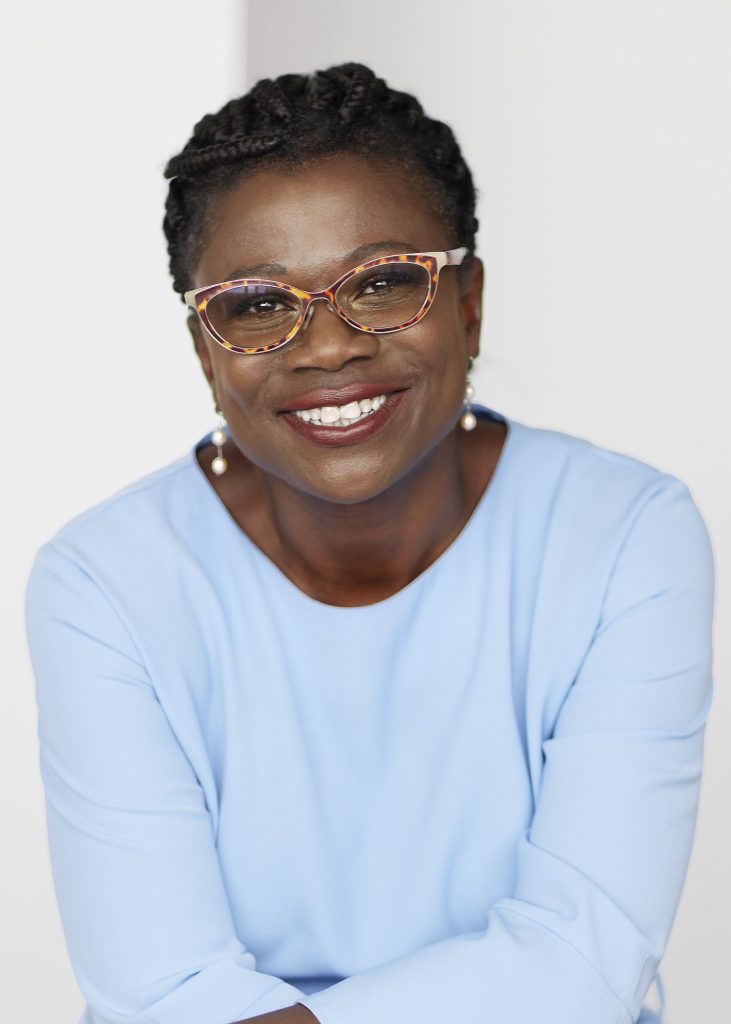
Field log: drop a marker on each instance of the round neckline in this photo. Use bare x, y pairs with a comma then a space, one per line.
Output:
485, 499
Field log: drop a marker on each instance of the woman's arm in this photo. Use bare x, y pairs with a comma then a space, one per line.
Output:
600, 871
144, 909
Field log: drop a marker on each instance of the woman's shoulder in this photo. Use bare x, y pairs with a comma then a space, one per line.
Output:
142, 517
584, 498
576, 462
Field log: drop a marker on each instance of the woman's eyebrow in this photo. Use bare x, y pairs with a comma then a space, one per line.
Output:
386, 247
374, 248
256, 270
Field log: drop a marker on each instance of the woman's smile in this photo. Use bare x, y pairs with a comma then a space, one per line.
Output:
350, 423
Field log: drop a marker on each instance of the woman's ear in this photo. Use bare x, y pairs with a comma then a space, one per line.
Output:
200, 345
471, 301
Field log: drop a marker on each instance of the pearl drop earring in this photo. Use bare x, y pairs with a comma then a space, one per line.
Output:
468, 420
219, 464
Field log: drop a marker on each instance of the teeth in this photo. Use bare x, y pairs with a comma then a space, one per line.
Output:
342, 415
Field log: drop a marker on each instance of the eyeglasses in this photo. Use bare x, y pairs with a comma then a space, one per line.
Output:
390, 293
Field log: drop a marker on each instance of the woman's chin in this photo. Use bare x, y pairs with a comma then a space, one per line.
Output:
357, 490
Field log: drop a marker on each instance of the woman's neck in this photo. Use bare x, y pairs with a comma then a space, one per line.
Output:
358, 554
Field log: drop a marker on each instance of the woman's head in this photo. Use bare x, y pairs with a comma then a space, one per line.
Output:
299, 182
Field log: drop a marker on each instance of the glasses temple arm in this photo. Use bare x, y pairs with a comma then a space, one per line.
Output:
456, 256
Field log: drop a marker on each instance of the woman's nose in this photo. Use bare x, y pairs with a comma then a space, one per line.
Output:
326, 341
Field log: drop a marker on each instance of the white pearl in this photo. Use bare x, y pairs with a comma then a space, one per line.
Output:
469, 393
219, 465
468, 421
218, 437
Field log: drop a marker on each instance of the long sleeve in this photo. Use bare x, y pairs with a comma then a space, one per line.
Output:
601, 868
139, 887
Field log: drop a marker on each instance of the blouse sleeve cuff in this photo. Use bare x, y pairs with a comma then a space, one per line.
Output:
220, 994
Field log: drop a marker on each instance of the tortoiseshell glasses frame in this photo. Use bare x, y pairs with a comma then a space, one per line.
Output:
198, 299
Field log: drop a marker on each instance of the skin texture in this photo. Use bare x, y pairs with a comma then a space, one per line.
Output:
291, 1015
351, 525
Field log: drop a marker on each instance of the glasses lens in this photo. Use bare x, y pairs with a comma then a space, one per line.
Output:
385, 296
253, 316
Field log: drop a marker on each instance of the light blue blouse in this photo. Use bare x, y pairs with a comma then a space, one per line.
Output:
471, 803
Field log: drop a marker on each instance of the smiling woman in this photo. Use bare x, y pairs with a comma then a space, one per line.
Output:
372, 706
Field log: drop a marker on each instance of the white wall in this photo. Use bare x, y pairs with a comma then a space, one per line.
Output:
99, 379
599, 136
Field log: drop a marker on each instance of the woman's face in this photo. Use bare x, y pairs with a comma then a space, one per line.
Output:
307, 227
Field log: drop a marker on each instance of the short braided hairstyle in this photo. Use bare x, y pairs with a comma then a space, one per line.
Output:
294, 118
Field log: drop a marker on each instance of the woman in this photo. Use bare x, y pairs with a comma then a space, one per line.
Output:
372, 706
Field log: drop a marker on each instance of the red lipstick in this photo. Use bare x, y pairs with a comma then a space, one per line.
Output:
354, 433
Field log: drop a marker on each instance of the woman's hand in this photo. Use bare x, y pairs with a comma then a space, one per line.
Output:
297, 1014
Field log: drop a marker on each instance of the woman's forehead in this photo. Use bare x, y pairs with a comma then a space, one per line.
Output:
313, 217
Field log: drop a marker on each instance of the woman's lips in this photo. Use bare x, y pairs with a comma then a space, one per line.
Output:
354, 433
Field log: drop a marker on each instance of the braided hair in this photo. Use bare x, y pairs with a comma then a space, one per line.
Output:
293, 118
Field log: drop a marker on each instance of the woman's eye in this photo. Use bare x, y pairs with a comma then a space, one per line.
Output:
385, 285
379, 284
264, 305
385, 281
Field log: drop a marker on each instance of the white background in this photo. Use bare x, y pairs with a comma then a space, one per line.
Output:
100, 382
599, 138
